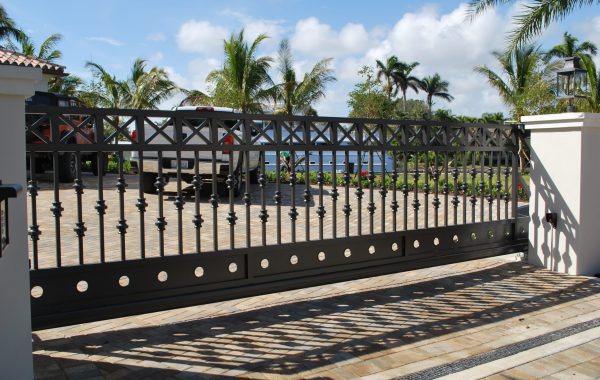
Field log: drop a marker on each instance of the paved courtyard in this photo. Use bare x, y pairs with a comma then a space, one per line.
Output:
494, 318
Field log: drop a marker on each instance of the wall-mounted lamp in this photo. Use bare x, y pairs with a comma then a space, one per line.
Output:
6, 191
552, 218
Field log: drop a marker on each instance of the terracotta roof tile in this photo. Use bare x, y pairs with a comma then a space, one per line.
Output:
9, 57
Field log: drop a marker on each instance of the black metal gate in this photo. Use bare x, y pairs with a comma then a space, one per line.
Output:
260, 204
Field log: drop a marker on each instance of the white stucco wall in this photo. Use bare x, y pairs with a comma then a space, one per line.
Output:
16, 84
565, 179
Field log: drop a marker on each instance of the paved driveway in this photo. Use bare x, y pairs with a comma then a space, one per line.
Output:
493, 317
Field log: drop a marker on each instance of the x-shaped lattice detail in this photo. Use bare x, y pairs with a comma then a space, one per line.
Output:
33, 128
195, 131
159, 130
76, 128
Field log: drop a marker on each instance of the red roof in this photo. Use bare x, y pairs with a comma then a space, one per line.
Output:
9, 57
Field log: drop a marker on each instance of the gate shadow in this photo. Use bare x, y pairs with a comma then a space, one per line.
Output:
307, 335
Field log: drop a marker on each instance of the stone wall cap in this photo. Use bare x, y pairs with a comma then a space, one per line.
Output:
567, 120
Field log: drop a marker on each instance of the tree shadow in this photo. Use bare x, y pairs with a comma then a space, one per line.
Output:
307, 335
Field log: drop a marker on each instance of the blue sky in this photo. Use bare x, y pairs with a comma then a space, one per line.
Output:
185, 37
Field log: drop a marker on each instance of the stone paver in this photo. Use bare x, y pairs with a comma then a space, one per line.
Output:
383, 327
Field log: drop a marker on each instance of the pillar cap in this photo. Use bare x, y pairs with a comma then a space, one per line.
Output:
568, 120
19, 81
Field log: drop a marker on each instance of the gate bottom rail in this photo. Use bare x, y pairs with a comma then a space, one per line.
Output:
77, 294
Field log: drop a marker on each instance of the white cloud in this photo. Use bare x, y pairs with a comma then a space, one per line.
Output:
201, 37
156, 57
179, 79
199, 69
272, 29
316, 38
444, 43
254, 27
156, 37
107, 40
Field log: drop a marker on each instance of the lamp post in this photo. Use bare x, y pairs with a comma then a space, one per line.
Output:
571, 82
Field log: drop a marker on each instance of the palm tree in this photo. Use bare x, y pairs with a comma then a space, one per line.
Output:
521, 68
570, 48
47, 50
69, 85
404, 80
593, 98
147, 89
298, 97
434, 86
141, 90
110, 93
242, 82
194, 98
387, 70
8, 28
536, 18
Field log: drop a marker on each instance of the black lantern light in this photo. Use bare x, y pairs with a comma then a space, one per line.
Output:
6, 191
571, 82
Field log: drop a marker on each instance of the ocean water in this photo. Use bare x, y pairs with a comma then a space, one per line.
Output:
313, 160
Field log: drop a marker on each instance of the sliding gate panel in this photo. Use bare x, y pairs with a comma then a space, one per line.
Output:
135, 211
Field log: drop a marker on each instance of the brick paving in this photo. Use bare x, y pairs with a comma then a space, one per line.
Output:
383, 327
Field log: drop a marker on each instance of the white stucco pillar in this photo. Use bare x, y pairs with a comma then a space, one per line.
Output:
565, 179
16, 84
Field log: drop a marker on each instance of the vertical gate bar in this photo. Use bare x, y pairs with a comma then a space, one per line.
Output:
320, 208
264, 216
506, 192
334, 190
141, 201
498, 185
491, 186
405, 187
214, 197
394, 205
416, 202
426, 184
473, 186
307, 195
515, 181
197, 220
100, 206
482, 185
247, 133
293, 214
455, 199
56, 208
79, 225
179, 201
347, 207
122, 223
34, 229
383, 188
231, 183
446, 187
161, 223
359, 191
436, 199
277, 195
371, 204
465, 187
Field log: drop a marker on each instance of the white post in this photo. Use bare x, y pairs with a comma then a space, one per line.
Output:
16, 84
565, 179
